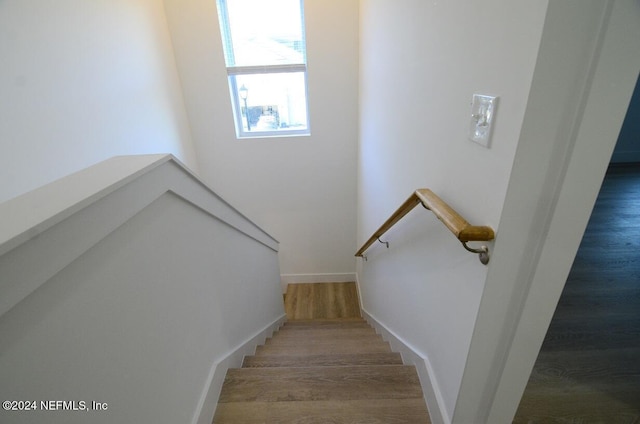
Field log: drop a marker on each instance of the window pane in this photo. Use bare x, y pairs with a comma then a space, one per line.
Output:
263, 32
276, 102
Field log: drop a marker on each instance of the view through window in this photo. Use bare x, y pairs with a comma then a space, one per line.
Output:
265, 54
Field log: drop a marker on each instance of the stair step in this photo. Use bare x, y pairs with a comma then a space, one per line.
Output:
322, 337
355, 328
325, 324
326, 347
324, 332
322, 360
320, 383
326, 365
379, 411
321, 321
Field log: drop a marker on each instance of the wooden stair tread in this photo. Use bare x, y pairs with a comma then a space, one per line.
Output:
327, 326
379, 411
392, 358
280, 339
321, 321
320, 383
325, 323
343, 333
320, 348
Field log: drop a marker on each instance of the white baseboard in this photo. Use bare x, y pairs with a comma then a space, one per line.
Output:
286, 279
209, 399
410, 356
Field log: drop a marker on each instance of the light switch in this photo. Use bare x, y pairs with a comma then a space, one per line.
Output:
483, 110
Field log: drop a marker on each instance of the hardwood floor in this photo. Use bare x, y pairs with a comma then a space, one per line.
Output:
588, 370
322, 300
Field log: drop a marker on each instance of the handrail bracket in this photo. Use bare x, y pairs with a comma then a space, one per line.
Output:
483, 252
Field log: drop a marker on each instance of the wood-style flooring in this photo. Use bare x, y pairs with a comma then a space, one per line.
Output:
322, 370
322, 300
588, 370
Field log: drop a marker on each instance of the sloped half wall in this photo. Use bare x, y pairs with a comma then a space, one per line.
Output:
134, 299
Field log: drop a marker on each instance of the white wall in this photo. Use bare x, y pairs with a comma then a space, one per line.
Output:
83, 81
147, 304
420, 64
301, 189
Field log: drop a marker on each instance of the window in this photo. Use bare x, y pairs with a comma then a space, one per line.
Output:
265, 53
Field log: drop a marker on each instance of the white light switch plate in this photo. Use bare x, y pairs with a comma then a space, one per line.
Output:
483, 110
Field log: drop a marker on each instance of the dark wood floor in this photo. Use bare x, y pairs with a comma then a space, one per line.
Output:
588, 370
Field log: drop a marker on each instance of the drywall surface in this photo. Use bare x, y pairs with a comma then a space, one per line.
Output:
301, 189
136, 298
420, 63
81, 82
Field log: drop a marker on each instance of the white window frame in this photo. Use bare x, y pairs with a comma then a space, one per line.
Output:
233, 71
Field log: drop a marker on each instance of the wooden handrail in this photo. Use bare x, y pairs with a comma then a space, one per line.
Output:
463, 231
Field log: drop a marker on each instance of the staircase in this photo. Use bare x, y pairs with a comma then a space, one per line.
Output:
319, 371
